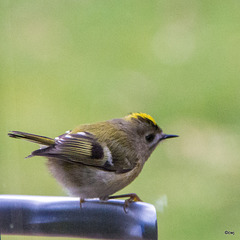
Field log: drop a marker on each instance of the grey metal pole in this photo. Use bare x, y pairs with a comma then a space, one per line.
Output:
62, 216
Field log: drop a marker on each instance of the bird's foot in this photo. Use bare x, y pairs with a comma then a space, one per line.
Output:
132, 197
82, 200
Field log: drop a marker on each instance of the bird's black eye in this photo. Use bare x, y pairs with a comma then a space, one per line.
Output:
149, 138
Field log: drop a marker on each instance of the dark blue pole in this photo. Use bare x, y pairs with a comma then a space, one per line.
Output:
62, 216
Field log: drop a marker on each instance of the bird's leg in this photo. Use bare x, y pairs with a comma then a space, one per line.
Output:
82, 200
132, 197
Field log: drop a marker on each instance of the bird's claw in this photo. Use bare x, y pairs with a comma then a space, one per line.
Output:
132, 197
82, 200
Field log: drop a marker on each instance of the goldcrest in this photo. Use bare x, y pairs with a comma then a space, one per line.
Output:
97, 160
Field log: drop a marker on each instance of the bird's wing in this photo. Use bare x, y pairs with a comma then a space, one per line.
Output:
81, 148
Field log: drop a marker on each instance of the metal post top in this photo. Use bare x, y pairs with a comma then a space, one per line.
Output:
63, 216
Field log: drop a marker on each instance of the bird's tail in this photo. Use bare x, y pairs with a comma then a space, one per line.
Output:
32, 138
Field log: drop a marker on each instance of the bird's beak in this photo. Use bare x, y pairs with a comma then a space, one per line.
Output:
165, 136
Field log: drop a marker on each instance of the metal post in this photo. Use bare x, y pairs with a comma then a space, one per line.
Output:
63, 216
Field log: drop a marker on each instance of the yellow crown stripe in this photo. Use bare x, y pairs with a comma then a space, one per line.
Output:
142, 115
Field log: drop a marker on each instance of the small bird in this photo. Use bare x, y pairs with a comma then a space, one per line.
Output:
97, 160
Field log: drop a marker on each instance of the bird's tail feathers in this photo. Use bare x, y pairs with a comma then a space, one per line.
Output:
32, 138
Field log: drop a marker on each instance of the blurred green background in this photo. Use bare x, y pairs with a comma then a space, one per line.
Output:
65, 63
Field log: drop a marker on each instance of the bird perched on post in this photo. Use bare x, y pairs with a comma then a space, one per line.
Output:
97, 160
